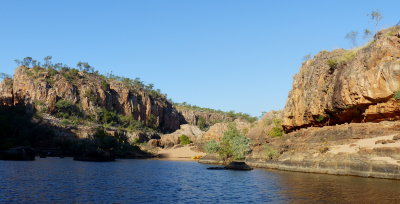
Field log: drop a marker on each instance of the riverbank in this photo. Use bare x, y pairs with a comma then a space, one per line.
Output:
179, 153
357, 149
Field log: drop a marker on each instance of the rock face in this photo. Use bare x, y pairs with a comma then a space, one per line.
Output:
359, 149
347, 85
216, 132
6, 92
195, 117
39, 89
193, 132
258, 133
18, 153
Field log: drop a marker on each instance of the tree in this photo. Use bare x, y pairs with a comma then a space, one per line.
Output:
85, 67
184, 140
375, 16
233, 146
27, 61
307, 57
47, 61
352, 36
4, 76
18, 62
367, 34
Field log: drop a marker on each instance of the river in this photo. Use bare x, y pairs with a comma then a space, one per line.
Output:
57, 180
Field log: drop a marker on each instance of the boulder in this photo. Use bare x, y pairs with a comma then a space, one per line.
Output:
18, 153
238, 165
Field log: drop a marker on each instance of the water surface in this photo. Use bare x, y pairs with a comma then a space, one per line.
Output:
58, 180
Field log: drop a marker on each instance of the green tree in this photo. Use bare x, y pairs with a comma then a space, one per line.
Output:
27, 61
47, 62
85, 67
375, 16
234, 145
367, 34
184, 140
276, 130
211, 147
4, 76
307, 57
66, 109
202, 123
352, 36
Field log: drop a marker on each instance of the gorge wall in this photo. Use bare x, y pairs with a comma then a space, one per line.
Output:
345, 86
208, 118
40, 89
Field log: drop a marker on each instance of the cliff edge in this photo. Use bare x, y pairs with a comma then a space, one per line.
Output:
347, 86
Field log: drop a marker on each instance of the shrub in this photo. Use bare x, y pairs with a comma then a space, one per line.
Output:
71, 75
136, 141
152, 121
270, 152
323, 149
332, 63
234, 145
320, 118
396, 95
184, 140
65, 122
105, 140
104, 85
202, 124
108, 117
92, 96
66, 109
211, 147
130, 123
276, 130
344, 58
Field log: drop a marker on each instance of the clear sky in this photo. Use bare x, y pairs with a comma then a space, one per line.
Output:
222, 54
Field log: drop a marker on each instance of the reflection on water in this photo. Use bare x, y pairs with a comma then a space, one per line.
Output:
311, 188
144, 181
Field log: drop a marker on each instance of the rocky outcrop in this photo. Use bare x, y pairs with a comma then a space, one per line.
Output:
40, 89
347, 85
6, 92
203, 117
18, 153
191, 131
358, 149
259, 131
216, 132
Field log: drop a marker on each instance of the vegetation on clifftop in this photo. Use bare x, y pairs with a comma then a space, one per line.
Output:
232, 114
72, 74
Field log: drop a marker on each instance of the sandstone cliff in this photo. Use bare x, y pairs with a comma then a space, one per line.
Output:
202, 117
40, 89
347, 85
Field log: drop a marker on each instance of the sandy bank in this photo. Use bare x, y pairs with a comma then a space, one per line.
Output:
179, 153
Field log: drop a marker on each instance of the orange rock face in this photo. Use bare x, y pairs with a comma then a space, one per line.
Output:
39, 91
347, 85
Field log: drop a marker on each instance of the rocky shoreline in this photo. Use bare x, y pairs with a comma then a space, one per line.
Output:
351, 166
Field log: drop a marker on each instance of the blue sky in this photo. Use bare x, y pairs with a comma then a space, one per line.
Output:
222, 54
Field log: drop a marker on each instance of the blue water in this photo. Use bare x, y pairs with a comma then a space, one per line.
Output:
55, 180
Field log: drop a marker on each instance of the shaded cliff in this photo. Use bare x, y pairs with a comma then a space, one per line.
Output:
342, 86
41, 89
